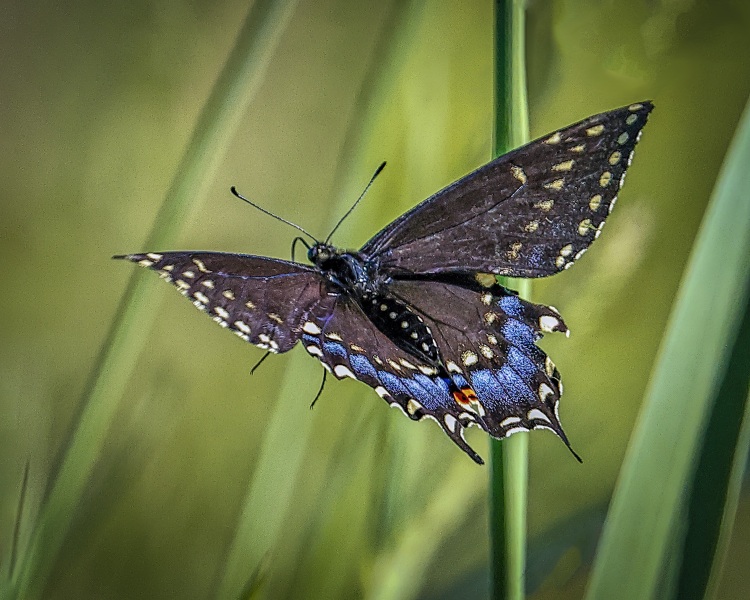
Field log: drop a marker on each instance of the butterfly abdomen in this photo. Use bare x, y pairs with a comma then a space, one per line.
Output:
403, 326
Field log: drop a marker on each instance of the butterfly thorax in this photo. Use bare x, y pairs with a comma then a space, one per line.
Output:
348, 271
358, 278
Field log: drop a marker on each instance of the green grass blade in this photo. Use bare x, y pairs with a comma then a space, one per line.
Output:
270, 489
648, 510
234, 89
718, 478
509, 458
18, 524
402, 572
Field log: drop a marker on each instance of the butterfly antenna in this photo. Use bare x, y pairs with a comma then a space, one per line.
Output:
270, 214
362, 195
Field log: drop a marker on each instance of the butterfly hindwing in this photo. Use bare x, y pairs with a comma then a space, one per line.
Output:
262, 300
508, 380
529, 213
348, 344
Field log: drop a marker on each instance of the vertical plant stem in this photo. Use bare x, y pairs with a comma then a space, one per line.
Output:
235, 87
509, 458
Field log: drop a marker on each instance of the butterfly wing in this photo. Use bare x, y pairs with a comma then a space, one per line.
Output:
529, 213
508, 380
262, 300
348, 344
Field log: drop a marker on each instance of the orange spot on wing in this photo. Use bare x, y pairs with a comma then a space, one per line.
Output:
465, 396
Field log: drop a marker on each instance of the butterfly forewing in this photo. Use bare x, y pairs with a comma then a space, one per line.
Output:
262, 300
529, 213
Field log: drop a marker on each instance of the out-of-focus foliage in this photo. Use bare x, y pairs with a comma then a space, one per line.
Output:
98, 102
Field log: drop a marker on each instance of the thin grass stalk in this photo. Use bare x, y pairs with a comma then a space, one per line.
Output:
233, 91
646, 525
509, 458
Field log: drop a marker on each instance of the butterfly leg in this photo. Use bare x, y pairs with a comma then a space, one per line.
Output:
260, 362
320, 391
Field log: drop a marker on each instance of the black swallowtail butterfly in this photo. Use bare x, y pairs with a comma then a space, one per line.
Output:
418, 313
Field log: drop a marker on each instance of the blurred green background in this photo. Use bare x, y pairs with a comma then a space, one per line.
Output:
98, 104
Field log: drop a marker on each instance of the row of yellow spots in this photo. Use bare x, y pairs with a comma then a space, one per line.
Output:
202, 301
596, 130
514, 251
150, 259
486, 280
584, 227
564, 166
562, 258
341, 370
201, 266
545, 205
556, 185
518, 173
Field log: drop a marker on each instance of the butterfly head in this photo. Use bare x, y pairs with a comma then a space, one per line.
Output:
321, 253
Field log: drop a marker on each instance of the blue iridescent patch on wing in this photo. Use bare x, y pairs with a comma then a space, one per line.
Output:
432, 393
459, 380
392, 383
362, 366
308, 339
335, 349
500, 387
511, 306
536, 256
429, 391
521, 363
518, 333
